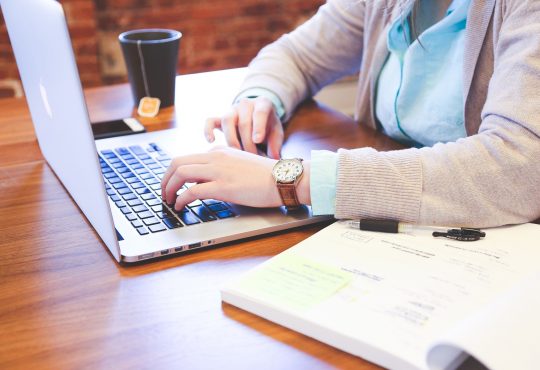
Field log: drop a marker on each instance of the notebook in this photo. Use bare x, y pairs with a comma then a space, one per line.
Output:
406, 301
116, 182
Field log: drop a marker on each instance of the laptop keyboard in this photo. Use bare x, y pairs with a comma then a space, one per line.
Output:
133, 181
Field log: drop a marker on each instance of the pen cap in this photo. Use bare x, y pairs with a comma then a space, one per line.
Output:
385, 226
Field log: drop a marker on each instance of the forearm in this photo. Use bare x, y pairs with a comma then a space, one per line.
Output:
326, 47
485, 180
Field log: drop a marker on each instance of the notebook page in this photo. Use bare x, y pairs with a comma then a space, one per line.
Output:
401, 292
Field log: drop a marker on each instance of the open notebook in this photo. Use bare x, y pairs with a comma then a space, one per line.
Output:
406, 301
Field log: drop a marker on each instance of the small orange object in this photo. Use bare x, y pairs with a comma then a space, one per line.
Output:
148, 107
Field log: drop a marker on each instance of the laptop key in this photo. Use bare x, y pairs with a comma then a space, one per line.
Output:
131, 180
124, 191
156, 186
121, 150
115, 198
153, 202
134, 202
122, 169
129, 196
143, 230
146, 214
137, 185
140, 208
131, 216
148, 196
188, 218
172, 223
217, 207
119, 185
141, 171
137, 223
151, 221
141, 191
225, 214
110, 192
157, 228
152, 181
136, 149
120, 204
211, 201
158, 208
203, 213
125, 210
114, 180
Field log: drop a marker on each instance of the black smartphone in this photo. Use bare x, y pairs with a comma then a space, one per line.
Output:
119, 127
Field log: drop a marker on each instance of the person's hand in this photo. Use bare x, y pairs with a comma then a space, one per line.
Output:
248, 123
223, 173
229, 175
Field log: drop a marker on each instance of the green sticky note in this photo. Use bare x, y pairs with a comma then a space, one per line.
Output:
294, 282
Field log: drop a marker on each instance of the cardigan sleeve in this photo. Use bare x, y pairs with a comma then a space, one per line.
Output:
323, 49
488, 179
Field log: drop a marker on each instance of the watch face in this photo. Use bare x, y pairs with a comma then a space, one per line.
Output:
287, 170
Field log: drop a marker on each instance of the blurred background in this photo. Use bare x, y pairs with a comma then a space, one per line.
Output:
217, 34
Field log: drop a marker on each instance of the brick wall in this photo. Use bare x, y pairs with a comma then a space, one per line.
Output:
217, 34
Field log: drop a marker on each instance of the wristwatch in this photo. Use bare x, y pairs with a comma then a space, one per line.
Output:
287, 172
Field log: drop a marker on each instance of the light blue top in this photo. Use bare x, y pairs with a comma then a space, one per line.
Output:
420, 92
419, 95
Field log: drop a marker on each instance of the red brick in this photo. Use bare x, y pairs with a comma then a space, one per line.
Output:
216, 34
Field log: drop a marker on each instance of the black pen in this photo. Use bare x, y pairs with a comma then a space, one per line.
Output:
380, 225
463, 234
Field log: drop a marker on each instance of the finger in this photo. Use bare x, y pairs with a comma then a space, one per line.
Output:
200, 158
228, 126
209, 127
183, 174
275, 139
245, 125
261, 115
205, 190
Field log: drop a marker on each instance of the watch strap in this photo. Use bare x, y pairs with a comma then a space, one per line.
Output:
288, 195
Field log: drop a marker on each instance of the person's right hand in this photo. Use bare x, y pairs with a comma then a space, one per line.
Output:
248, 123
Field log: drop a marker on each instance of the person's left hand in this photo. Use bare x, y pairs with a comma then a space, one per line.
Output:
223, 173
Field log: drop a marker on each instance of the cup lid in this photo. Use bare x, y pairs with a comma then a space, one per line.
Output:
149, 36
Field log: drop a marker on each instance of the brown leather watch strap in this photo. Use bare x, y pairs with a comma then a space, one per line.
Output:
288, 195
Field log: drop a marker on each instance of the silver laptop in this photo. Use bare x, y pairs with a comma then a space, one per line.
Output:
116, 182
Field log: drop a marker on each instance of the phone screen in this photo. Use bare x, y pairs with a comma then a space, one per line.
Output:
118, 127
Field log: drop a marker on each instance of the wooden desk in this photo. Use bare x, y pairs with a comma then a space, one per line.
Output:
66, 304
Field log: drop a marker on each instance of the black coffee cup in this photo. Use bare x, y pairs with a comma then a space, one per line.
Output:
151, 56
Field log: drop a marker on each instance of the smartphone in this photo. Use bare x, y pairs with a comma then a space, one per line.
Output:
119, 127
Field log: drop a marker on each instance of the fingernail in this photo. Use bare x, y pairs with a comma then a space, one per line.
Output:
257, 137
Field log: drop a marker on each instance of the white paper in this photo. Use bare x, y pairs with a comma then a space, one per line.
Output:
409, 290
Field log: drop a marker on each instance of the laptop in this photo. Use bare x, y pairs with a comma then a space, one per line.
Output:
116, 182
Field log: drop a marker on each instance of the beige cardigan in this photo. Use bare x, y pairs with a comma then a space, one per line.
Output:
490, 178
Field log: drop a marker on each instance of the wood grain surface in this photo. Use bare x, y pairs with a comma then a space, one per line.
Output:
66, 304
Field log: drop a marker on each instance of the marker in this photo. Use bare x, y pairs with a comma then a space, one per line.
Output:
380, 225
